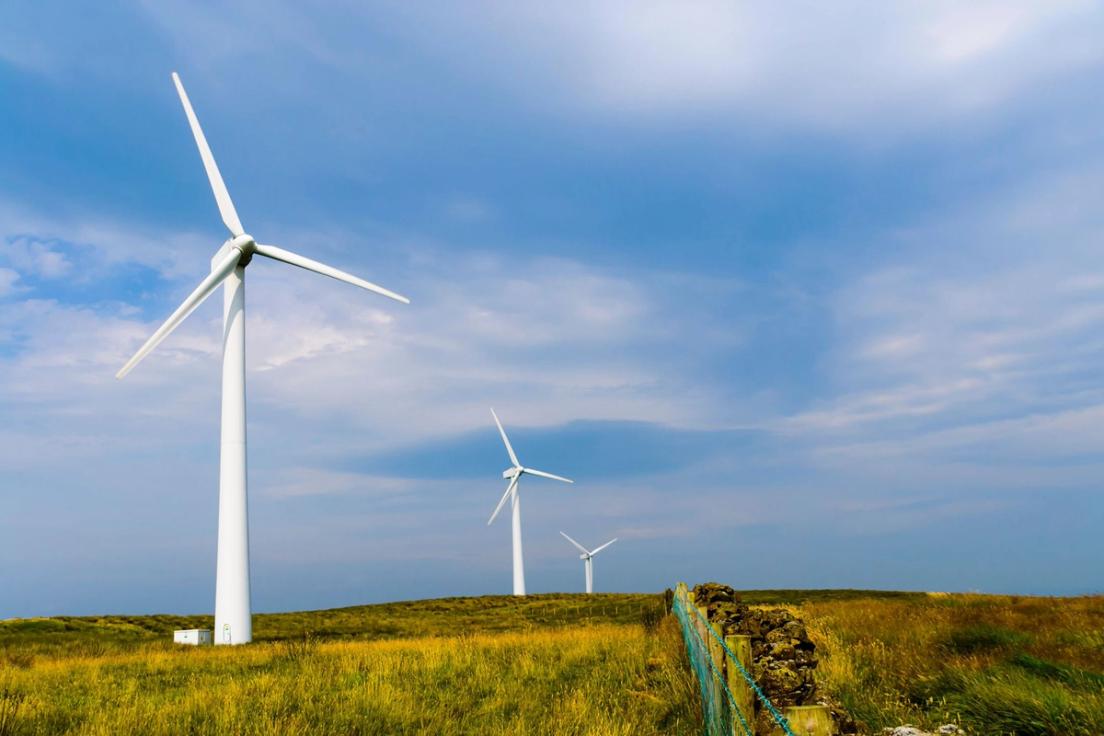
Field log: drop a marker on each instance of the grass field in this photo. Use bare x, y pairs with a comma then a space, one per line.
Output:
549, 664
993, 664
603, 664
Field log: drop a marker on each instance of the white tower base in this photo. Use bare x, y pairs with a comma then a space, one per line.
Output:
589, 564
519, 563
233, 619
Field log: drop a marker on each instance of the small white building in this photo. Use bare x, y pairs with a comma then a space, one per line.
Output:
195, 637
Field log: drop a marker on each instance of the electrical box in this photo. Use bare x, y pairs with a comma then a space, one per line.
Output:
195, 637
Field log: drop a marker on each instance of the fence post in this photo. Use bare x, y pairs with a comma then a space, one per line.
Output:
717, 656
808, 720
737, 685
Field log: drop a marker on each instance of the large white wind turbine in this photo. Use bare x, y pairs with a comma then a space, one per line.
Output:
587, 557
233, 621
513, 474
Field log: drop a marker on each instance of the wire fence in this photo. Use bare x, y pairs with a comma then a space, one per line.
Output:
589, 611
718, 670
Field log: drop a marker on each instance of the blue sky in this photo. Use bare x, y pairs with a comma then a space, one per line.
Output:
802, 297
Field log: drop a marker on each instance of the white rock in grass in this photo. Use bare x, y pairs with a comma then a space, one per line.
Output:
948, 729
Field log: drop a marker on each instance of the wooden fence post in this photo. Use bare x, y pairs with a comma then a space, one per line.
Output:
717, 654
737, 685
706, 629
808, 720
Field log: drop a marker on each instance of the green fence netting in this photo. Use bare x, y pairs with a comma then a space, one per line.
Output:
723, 716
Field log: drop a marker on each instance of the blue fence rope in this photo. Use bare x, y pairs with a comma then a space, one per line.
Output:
703, 653
778, 717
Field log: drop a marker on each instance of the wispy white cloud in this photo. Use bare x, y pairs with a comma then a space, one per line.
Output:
838, 66
969, 357
843, 67
552, 339
34, 257
8, 279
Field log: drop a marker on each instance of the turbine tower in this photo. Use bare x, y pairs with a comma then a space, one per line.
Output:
513, 474
587, 557
233, 619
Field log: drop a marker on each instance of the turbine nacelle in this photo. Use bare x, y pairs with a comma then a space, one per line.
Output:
246, 245
514, 473
587, 557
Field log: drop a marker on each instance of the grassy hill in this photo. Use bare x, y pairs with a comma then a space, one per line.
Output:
549, 664
552, 664
434, 617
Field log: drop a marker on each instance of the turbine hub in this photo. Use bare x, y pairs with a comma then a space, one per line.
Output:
509, 473
247, 245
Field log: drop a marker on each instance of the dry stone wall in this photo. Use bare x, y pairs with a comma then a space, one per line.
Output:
783, 656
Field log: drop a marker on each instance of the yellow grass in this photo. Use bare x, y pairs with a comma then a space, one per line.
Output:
603, 679
995, 664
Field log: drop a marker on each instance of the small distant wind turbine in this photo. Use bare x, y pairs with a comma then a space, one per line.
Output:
233, 619
513, 474
587, 558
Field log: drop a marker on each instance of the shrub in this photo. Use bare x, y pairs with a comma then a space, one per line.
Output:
981, 638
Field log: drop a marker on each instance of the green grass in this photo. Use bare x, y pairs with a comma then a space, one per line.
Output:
404, 619
551, 664
784, 597
977, 638
994, 664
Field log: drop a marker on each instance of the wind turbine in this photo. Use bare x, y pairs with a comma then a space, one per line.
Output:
513, 474
233, 621
587, 557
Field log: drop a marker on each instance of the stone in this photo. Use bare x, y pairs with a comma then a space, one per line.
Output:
781, 650
947, 729
795, 630
780, 681
783, 656
706, 594
776, 635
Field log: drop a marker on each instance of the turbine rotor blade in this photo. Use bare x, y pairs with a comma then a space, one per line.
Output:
221, 270
582, 549
543, 474
506, 440
603, 546
502, 502
222, 197
286, 256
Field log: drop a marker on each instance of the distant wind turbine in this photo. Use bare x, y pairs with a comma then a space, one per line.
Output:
513, 474
588, 561
233, 619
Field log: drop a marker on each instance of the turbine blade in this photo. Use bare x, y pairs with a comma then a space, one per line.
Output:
502, 502
543, 474
506, 440
603, 546
222, 197
286, 256
204, 290
583, 549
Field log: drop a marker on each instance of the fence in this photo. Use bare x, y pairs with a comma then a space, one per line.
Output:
722, 666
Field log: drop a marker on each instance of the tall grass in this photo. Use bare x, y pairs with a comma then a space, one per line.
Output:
404, 619
583, 678
994, 664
